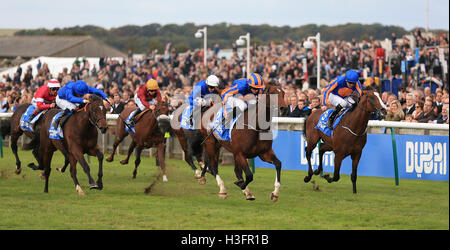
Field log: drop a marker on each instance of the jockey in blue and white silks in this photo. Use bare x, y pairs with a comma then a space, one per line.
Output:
338, 93
196, 99
70, 96
241, 87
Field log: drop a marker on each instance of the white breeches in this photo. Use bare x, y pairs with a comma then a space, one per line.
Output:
344, 102
235, 102
64, 104
139, 103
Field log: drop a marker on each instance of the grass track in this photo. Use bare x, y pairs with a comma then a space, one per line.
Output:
181, 203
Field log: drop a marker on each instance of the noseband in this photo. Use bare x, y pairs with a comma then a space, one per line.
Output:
95, 123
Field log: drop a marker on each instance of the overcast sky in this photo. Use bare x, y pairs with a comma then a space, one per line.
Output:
31, 14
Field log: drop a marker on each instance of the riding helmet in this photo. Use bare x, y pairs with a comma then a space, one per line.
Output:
212, 81
351, 76
255, 81
152, 84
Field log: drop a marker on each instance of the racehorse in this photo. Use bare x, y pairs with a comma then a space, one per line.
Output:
16, 132
249, 142
348, 138
80, 137
150, 129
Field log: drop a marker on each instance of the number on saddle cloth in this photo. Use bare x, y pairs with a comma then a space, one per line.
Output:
322, 124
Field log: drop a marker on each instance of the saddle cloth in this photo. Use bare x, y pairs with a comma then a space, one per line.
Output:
322, 124
56, 134
130, 127
25, 123
185, 118
219, 129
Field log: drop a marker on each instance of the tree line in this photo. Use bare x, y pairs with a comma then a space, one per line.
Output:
146, 38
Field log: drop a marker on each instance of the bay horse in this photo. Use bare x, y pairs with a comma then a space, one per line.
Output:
150, 129
16, 132
348, 138
80, 137
249, 141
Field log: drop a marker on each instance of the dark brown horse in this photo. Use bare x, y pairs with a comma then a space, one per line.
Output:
16, 132
348, 138
80, 137
249, 139
150, 129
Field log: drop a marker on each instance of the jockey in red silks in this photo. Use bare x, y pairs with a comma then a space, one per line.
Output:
338, 93
45, 96
146, 97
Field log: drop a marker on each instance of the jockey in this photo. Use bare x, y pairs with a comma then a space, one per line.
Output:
70, 96
201, 90
45, 96
338, 93
241, 87
146, 97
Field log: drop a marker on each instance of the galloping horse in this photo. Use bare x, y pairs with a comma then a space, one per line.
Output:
150, 130
80, 137
16, 132
249, 142
348, 138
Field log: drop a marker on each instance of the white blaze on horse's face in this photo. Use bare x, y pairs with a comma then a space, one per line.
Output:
379, 100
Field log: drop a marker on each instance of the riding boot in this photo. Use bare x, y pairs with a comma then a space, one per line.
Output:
226, 121
133, 119
333, 115
66, 112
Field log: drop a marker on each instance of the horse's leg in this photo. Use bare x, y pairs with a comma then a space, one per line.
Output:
73, 174
36, 156
47, 158
96, 151
313, 138
130, 151
162, 160
322, 150
138, 160
337, 167
80, 158
355, 160
270, 157
241, 163
66, 163
14, 137
117, 140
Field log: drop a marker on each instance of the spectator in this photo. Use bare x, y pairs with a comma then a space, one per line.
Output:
294, 110
304, 110
410, 104
418, 112
117, 104
428, 113
395, 113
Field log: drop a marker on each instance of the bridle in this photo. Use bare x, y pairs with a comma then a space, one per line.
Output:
95, 123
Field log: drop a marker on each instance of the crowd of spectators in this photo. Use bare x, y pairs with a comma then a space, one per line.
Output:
289, 64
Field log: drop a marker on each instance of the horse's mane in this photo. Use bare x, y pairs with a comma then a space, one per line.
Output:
95, 98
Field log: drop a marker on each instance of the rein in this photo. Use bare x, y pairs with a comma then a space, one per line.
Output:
89, 117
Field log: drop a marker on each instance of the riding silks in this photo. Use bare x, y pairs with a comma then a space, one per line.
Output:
322, 124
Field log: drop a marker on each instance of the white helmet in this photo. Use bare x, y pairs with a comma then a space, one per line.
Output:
212, 81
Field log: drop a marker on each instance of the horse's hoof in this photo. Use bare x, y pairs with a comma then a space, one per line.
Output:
94, 186
198, 174
79, 190
202, 181
250, 198
165, 178
316, 172
123, 162
41, 174
109, 159
273, 197
307, 179
18, 171
59, 169
223, 195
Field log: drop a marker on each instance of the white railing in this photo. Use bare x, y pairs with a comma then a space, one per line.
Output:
295, 120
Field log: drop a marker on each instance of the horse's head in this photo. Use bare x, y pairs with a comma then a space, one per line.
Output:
275, 91
97, 112
372, 103
162, 116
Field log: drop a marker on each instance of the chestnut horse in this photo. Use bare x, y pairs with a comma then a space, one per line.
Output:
80, 137
150, 130
249, 141
348, 138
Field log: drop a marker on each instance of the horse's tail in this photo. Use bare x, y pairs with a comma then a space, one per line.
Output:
304, 128
5, 129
